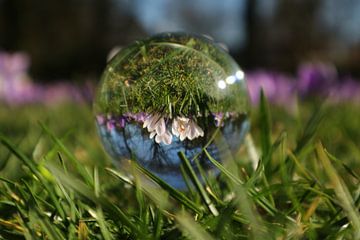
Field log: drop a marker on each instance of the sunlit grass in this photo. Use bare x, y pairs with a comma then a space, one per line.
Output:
57, 183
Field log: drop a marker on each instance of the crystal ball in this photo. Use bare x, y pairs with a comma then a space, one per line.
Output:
171, 93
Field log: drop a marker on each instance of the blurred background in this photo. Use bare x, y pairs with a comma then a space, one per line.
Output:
299, 50
70, 39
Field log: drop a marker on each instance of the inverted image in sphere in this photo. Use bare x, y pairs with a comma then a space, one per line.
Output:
171, 93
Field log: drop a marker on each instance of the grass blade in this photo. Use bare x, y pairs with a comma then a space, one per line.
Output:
198, 184
191, 228
179, 196
85, 191
265, 127
80, 169
341, 191
34, 169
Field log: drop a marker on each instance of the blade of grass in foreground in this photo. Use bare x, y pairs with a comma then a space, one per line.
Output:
179, 196
347, 168
263, 202
257, 227
198, 184
191, 228
185, 221
80, 169
34, 169
52, 233
158, 223
310, 130
117, 215
265, 127
306, 139
341, 191
99, 212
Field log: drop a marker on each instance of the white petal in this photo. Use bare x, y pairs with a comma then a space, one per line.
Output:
194, 130
158, 139
152, 134
147, 121
191, 132
167, 137
199, 131
182, 136
174, 127
183, 119
152, 125
160, 126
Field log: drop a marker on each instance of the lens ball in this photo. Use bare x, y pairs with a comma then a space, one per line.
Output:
171, 93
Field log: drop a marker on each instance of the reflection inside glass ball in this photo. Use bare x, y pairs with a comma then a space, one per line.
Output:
168, 94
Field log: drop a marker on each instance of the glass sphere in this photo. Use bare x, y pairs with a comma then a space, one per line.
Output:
171, 93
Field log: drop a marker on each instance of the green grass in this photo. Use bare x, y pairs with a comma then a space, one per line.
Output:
57, 183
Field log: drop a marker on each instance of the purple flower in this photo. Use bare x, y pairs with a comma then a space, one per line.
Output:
110, 125
100, 119
219, 119
15, 84
120, 122
346, 90
138, 117
12, 64
279, 89
315, 78
61, 92
110, 122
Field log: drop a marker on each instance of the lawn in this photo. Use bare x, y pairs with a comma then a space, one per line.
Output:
56, 181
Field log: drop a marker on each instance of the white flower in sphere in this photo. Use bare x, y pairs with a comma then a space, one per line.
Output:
183, 127
155, 124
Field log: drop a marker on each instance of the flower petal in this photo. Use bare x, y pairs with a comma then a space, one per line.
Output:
152, 134
154, 122
174, 127
160, 126
167, 138
194, 130
182, 136
100, 119
147, 121
158, 139
199, 131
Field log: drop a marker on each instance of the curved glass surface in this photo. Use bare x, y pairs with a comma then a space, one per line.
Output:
171, 93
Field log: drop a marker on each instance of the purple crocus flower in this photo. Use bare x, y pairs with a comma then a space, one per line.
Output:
138, 117
279, 89
110, 123
100, 119
315, 78
120, 121
15, 84
11, 64
60, 92
260, 80
347, 90
219, 117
